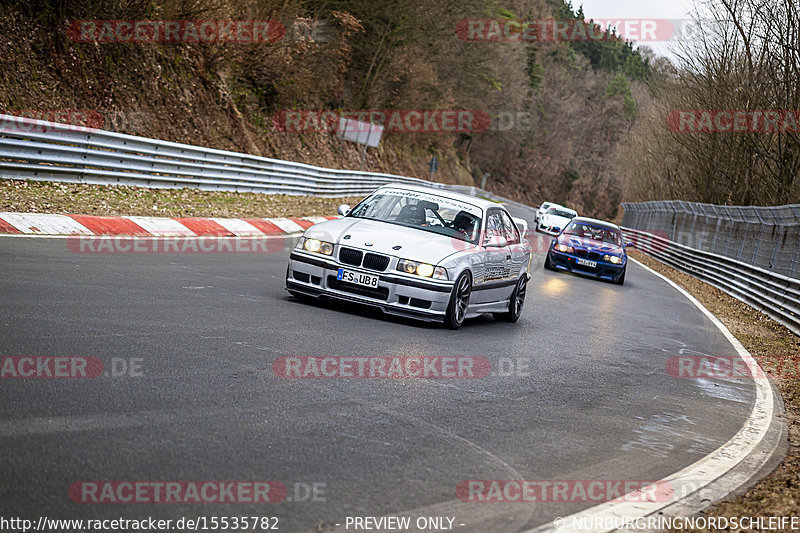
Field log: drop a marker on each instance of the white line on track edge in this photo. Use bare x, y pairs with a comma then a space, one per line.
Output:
699, 474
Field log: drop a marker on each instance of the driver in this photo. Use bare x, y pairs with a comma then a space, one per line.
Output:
464, 223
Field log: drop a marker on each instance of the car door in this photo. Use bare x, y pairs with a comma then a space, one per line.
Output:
517, 256
491, 274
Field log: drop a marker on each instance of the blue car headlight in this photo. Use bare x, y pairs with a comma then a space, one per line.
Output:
565, 248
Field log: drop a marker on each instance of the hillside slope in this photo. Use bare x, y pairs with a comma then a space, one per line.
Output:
558, 109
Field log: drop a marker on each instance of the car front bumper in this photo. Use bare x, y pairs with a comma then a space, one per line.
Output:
547, 229
315, 275
565, 261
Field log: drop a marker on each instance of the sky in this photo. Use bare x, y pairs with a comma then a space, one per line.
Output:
638, 10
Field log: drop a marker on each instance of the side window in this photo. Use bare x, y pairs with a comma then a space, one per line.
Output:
494, 226
509, 228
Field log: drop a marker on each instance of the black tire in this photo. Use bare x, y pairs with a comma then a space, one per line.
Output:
547, 264
516, 302
459, 301
621, 279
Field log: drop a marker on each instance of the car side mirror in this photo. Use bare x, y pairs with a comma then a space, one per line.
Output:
496, 242
343, 210
629, 244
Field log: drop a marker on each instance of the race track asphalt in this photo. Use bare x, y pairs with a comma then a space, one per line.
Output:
578, 390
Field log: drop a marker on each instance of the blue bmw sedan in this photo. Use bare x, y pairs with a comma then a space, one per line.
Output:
590, 247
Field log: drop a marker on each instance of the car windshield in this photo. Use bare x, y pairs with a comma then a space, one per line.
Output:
595, 233
560, 213
422, 211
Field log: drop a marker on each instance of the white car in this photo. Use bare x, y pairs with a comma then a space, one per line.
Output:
542, 210
419, 252
555, 219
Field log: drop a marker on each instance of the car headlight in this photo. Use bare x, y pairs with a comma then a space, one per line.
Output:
421, 269
425, 270
316, 246
617, 260
565, 248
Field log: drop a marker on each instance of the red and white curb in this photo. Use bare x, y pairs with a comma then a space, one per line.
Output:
137, 226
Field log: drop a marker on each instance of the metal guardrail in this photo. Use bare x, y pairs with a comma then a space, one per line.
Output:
48, 151
773, 294
766, 237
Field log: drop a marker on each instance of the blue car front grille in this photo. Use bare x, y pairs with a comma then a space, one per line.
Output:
586, 254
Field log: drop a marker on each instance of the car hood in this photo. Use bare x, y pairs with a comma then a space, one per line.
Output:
415, 244
591, 245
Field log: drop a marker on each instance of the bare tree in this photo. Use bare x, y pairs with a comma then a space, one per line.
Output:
747, 58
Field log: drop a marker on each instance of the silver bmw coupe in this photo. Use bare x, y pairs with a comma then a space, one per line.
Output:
419, 252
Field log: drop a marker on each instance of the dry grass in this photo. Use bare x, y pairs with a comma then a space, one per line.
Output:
770, 343
68, 198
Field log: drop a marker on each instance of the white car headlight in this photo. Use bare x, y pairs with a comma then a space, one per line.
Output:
425, 270
565, 248
316, 246
421, 269
615, 259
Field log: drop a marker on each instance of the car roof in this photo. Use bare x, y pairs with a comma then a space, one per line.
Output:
478, 202
596, 222
559, 206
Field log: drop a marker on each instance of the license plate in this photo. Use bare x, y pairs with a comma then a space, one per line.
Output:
359, 278
586, 263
